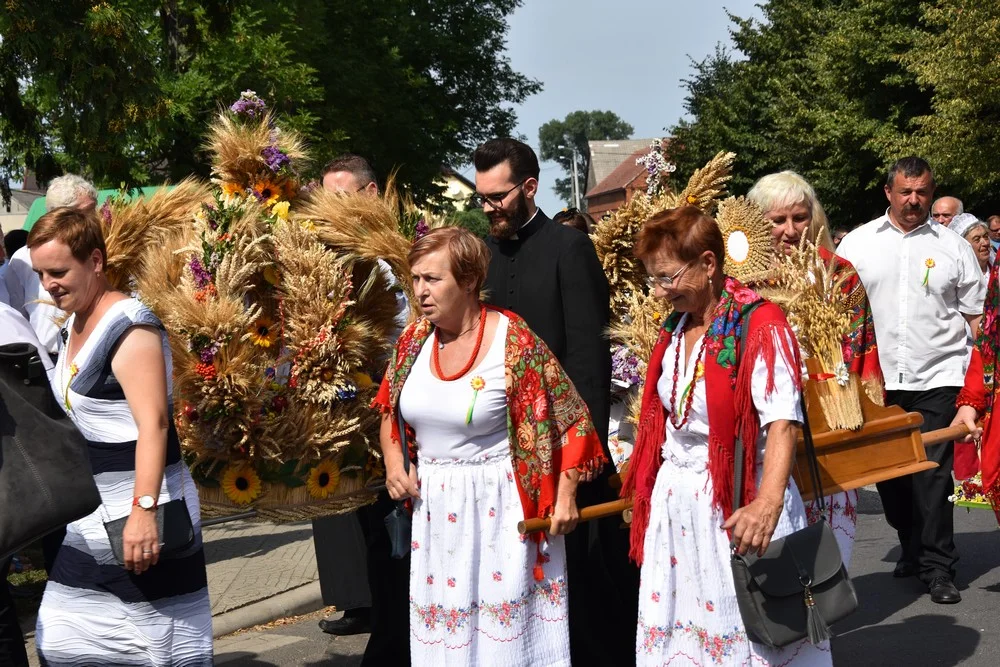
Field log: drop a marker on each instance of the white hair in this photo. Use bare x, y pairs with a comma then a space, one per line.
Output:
67, 190
786, 188
961, 206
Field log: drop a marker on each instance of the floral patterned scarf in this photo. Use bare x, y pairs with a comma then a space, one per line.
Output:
859, 346
548, 425
731, 413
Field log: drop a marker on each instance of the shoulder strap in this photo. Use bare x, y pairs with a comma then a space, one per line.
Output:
806, 436
402, 439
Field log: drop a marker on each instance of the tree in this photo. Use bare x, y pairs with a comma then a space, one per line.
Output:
958, 135
558, 138
820, 89
124, 92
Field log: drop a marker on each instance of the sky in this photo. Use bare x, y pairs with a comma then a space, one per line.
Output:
625, 56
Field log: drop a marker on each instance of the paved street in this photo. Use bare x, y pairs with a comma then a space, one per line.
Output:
896, 625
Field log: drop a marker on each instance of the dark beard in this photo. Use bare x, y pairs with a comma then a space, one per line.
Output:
504, 226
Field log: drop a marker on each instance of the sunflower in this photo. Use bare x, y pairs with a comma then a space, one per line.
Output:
323, 479
363, 380
230, 189
264, 333
241, 484
267, 192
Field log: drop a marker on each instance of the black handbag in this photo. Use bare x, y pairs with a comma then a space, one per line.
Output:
173, 526
799, 587
44, 464
399, 522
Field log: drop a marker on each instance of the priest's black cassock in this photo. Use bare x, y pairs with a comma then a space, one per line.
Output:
549, 274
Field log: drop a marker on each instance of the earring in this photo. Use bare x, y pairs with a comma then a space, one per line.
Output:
711, 287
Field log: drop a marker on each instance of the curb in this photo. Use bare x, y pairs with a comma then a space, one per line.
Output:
302, 600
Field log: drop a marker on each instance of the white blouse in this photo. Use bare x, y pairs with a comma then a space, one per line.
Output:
437, 409
688, 446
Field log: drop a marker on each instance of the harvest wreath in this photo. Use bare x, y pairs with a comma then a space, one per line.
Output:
280, 305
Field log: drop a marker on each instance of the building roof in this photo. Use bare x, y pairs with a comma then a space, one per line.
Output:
606, 156
623, 175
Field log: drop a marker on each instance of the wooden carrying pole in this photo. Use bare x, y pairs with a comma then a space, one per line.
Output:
624, 507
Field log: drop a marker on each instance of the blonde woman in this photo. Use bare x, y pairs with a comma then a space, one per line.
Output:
791, 205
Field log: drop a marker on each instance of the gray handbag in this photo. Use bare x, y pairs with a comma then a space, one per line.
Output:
173, 528
799, 587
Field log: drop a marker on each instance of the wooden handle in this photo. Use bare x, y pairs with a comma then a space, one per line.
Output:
586, 514
944, 435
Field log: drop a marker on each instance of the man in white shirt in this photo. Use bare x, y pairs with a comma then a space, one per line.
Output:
349, 546
24, 289
4, 265
924, 285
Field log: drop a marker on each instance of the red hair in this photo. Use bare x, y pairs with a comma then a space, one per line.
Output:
683, 232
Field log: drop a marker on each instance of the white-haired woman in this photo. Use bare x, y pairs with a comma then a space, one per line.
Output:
975, 231
790, 203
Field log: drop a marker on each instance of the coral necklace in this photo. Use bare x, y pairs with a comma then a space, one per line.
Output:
689, 392
475, 351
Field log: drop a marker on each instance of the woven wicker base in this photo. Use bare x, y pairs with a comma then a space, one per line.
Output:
282, 505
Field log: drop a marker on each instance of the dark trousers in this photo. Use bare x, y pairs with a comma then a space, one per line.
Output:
353, 550
12, 651
603, 585
389, 582
917, 505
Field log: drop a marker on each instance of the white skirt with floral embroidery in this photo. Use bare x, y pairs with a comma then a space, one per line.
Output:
473, 596
688, 614
842, 515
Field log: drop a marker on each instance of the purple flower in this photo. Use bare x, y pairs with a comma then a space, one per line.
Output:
275, 158
421, 230
106, 213
625, 366
202, 278
248, 105
207, 354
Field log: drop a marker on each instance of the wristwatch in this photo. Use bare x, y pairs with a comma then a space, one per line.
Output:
145, 502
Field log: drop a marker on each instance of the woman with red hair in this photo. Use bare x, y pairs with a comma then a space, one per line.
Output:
724, 369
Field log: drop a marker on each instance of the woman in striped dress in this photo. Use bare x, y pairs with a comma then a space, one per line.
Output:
113, 380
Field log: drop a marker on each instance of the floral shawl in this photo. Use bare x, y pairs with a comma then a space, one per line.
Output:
859, 346
981, 388
548, 424
731, 413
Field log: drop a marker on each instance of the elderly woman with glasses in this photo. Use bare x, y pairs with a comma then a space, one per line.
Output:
725, 369
975, 231
791, 205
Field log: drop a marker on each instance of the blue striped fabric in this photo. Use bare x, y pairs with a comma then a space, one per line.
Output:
94, 612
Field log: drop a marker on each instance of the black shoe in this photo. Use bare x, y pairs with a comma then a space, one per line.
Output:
348, 625
943, 591
905, 569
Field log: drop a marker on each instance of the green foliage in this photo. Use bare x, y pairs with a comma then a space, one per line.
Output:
472, 219
557, 138
124, 91
823, 87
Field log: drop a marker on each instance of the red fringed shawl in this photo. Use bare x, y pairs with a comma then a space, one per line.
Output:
980, 391
548, 424
731, 412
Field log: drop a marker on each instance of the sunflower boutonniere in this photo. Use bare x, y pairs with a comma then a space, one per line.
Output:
928, 264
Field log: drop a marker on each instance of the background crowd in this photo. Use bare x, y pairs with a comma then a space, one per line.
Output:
496, 409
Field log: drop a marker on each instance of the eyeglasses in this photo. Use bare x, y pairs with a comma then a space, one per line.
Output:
496, 200
942, 215
665, 282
